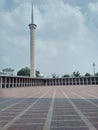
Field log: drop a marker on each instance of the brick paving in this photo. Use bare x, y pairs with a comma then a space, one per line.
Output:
49, 108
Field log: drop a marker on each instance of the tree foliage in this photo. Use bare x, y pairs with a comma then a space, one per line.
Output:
65, 76
87, 74
0, 72
37, 73
26, 72
76, 74
55, 76
96, 74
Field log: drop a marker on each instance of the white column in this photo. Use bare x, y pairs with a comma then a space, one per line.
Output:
12, 82
5, 82
87, 80
75, 81
1, 82
25, 82
64, 81
16, 83
94, 80
58, 81
23, 85
30, 82
61, 81
83, 81
68, 81
79, 81
90, 81
72, 81
55, 80
9, 82
49, 82
19, 82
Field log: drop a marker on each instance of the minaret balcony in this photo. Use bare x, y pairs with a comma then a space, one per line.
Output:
32, 26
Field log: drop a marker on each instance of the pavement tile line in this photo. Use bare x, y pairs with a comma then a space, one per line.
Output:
68, 127
87, 100
17, 103
82, 116
92, 95
7, 100
23, 112
47, 124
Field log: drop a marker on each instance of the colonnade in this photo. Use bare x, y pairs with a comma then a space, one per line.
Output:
13, 82
72, 81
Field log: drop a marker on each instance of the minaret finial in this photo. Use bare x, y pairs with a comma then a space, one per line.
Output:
32, 18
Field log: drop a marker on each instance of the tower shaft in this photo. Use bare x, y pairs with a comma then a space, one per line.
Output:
32, 27
32, 50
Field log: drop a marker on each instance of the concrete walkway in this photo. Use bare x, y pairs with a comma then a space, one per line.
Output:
49, 108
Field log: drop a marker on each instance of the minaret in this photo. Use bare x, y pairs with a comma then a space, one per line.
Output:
32, 27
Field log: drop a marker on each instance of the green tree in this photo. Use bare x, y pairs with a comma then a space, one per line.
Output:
76, 74
66, 75
55, 76
96, 74
87, 74
1, 73
37, 73
24, 72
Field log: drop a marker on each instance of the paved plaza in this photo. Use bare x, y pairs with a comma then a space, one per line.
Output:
49, 108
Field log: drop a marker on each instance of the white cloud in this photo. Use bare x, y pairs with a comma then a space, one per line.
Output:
65, 32
62, 31
14, 26
93, 14
14, 33
93, 7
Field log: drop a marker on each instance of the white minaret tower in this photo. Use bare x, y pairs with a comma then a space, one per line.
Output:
32, 27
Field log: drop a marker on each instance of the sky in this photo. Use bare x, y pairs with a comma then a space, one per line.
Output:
66, 35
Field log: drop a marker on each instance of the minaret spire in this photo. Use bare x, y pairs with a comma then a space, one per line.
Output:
32, 17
